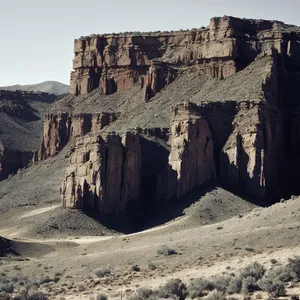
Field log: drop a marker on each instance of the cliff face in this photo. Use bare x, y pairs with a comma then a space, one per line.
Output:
234, 117
104, 173
118, 61
61, 128
191, 161
252, 160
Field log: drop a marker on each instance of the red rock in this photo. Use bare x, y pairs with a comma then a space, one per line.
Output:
61, 128
119, 61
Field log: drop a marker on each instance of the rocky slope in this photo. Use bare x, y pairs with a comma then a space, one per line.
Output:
21, 127
51, 87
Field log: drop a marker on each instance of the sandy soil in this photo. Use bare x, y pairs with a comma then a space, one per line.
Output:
210, 237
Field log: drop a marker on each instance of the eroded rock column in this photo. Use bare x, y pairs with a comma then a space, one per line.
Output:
191, 160
104, 173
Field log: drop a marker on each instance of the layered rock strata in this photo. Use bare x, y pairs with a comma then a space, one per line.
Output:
191, 161
252, 161
246, 139
115, 62
104, 173
61, 128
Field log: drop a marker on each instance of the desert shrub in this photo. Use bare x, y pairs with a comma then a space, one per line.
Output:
235, 285
7, 288
4, 296
293, 267
166, 251
249, 285
221, 282
272, 287
173, 287
56, 277
19, 278
135, 268
102, 272
45, 279
36, 295
254, 270
281, 273
216, 295
294, 297
5, 280
197, 286
273, 261
144, 293
101, 297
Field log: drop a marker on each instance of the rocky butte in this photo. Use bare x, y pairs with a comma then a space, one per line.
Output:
152, 116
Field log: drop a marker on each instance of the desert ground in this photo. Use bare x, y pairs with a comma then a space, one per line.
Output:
216, 233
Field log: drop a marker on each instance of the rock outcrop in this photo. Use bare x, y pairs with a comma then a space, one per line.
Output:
252, 159
118, 61
61, 128
245, 136
104, 173
105, 170
191, 160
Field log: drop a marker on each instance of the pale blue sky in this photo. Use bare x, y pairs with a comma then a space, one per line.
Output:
37, 35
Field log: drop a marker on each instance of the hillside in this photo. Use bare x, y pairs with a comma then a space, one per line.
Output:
50, 87
21, 123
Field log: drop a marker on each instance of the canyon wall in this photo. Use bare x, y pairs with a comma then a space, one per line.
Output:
252, 161
104, 173
115, 62
241, 143
61, 128
191, 161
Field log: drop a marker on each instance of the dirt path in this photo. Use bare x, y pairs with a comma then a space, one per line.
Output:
39, 211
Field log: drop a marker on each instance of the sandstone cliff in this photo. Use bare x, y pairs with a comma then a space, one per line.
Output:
104, 173
230, 90
61, 128
252, 159
118, 61
191, 160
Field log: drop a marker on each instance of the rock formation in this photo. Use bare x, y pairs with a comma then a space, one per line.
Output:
61, 128
118, 61
191, 160
231, 90
252, 159
104, 173
105, 170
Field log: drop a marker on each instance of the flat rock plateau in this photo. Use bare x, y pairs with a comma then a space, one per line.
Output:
169, 170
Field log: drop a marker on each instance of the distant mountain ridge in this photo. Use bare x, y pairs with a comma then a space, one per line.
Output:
51, 87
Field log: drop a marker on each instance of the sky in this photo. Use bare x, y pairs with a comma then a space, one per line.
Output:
37, 35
